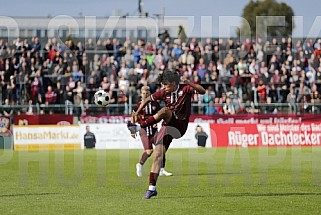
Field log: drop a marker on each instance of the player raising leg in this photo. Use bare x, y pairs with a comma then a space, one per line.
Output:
175, 118
149, 133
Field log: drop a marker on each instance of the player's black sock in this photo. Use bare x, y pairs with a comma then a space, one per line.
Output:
144, 158
164, 161
153, 178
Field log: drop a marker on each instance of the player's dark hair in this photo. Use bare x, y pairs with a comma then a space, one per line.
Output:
168, 77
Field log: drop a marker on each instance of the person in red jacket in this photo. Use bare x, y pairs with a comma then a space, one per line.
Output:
51, 96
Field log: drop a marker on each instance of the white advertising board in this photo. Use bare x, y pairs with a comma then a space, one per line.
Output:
117, 136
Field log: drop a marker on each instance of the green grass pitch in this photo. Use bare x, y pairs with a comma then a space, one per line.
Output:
205, 181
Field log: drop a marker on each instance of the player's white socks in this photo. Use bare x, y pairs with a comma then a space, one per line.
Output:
152, 187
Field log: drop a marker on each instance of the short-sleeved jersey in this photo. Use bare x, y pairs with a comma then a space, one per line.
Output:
149, 110
178, 101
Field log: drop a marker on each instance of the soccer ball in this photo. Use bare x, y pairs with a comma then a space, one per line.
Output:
101, 98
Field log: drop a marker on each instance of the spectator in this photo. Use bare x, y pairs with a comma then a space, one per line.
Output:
89, 139
236, 83
123, 84
303, 90
92, 87
60, 93
30, 109
11, 90
35, 89
261, 89
218, 106
122, 98
105, 85
200, 136
210, 109
136, 54
270, 108
291, 99
7, 109
35, 46
51, 96
76, 73
228, 107
109, 47
69, 100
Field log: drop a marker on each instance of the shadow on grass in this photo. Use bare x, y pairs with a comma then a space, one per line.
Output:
270, 194
28, 194
212, 173
238, 195
184, 197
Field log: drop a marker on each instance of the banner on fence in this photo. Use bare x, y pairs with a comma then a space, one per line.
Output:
254, 135
117, 136
46, 137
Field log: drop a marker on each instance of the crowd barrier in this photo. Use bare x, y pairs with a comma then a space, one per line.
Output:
222, 131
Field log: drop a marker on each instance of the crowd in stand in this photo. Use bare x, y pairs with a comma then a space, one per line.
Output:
239, 76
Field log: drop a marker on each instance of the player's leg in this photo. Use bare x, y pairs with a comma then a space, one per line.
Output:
163, 114
158, 158
181, 127
147, 144
162, 143
153, 175
162, 171
139, 166
145, 156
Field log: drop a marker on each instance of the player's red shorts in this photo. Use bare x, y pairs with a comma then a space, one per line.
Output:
148, 141
174, 129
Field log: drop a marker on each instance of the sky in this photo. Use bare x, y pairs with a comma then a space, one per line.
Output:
214, 9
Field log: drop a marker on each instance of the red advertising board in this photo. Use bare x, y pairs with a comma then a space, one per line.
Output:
254, 135
55, 119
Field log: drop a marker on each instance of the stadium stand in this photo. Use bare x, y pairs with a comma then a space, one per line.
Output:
279, 75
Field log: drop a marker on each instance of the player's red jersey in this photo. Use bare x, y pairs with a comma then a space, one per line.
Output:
178, 101
149, 110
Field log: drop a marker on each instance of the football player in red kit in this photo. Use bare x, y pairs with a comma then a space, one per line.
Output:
175, 118
148, 134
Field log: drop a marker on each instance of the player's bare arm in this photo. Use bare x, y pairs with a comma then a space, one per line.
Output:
198, 88
142, 105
